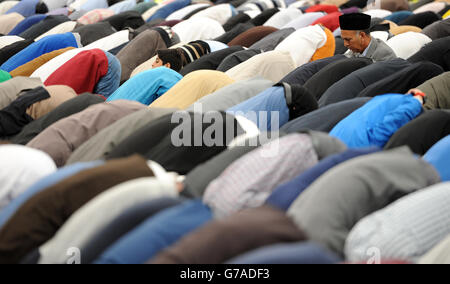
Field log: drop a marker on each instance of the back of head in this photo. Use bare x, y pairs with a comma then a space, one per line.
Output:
172, 56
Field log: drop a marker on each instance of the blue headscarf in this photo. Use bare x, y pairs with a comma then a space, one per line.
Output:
147, 86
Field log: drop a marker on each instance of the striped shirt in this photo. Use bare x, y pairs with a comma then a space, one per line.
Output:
250, 180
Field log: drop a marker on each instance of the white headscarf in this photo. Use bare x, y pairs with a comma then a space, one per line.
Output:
21, 167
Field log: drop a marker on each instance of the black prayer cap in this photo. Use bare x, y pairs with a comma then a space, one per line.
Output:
355, 22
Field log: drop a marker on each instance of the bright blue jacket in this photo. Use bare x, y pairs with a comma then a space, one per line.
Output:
147, 86
375, 122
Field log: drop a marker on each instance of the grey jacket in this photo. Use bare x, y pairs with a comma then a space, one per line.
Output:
329, 208
378, 51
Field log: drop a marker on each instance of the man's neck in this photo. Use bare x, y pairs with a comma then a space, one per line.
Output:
364, 53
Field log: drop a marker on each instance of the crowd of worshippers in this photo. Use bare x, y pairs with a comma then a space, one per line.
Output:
350, 162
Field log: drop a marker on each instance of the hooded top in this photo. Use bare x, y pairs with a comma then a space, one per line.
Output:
102, 143
438, 29
351, 85
63, 137
437, 90
406, 44
44, 26
263, 65
21, 167
423, 132
335, 202
210, 61
404, 80
70, 195
237, 58
82, 72
309, 38
325, 118
437, 51
332, 73
45, 45
231, 95
192, 88
374, 123
303, 73
245, 183
271, 41
423, 214
139, 50
251, 36
10, 90
66, 109
420, 20
286, 101
147, 86
155, 141
28, 68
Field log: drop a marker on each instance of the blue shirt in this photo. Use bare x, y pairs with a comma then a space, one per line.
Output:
375, 122
264, 108
439, 157
168, 9
283, 196
157, 233
25, 7
147, 86
27, 23
45, 45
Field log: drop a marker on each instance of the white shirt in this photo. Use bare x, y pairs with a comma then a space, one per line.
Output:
309, 39
407, 44
220, 13
7, 40
404, 230
304, 20
283, 17
21, 167
180, 14
198, 29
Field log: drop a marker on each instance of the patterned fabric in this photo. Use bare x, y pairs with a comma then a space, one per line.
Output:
250, 180
95, 16
406, 229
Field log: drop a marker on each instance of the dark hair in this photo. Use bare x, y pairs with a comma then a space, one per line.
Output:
302, 103
171, 56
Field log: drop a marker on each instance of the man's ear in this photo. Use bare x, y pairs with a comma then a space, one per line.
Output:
167, 65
